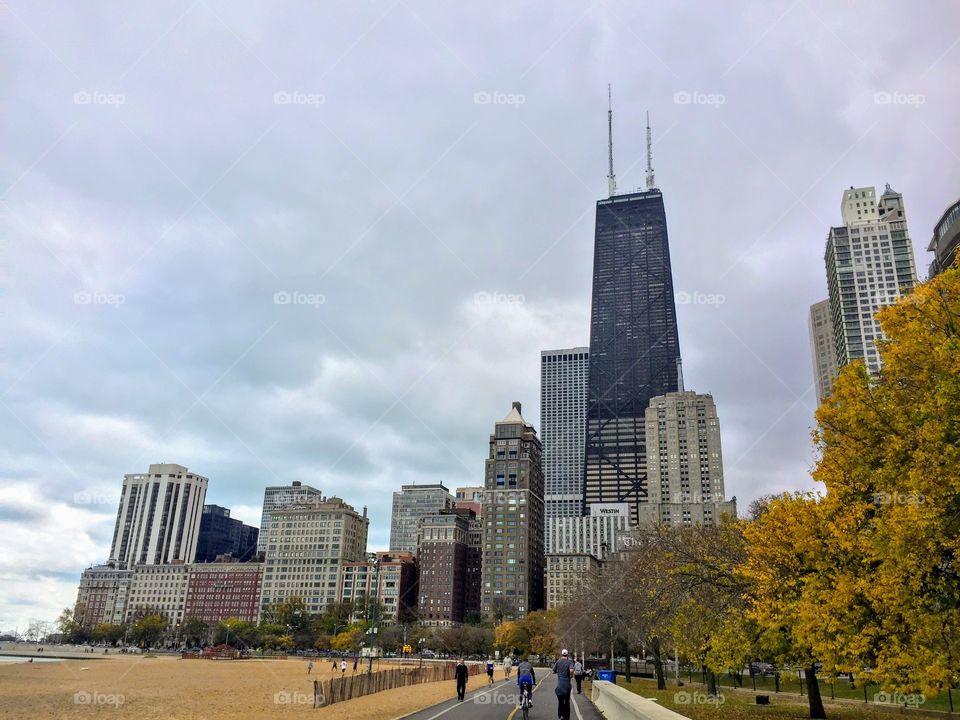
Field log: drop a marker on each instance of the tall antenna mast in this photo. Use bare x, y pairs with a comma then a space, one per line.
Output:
611, 178
650, 182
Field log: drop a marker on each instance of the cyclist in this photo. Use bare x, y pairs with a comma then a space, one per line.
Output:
526, 679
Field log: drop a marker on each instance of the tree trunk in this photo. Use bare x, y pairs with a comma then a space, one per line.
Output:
658, 664
813, 693
627, 667
711, 683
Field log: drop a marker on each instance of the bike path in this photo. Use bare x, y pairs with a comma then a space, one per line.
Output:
499, 702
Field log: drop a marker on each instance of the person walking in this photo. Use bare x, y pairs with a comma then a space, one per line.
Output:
578, 674
563, 669
507, 664
309, 666
460, 674
334, 668
343, 667
489, 670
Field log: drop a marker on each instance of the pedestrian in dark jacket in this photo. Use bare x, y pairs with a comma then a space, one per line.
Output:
461, 676
564, 671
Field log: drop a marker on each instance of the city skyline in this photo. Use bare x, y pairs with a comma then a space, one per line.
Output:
297, 269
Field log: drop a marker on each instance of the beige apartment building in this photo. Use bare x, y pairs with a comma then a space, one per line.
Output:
159, 589
307, 546
823, 349
684, 462
102, 596
566, 574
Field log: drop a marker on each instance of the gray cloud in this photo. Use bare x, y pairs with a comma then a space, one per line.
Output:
181, 198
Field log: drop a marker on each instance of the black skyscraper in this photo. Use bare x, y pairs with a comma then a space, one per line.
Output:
634, 347
221, 534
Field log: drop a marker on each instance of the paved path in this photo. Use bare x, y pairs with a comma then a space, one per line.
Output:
499, 702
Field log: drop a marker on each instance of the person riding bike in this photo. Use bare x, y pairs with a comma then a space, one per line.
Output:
526, 679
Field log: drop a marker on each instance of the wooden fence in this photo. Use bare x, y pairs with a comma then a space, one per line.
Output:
347, 687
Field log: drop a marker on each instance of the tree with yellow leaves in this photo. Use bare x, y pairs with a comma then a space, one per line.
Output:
509, 635
889, 599
785, 554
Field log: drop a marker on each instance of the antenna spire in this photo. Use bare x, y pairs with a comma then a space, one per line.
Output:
611, 178
651, 184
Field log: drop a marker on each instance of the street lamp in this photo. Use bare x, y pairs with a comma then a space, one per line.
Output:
373, 613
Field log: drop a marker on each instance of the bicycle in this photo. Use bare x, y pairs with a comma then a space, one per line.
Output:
525, 700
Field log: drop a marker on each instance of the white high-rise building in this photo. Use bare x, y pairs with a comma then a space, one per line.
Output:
598, 534
563, 410
280, 496
869, 261
158, 520
823, 349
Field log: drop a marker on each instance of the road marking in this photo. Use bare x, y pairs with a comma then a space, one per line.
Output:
457, 703
577, 709
535, 687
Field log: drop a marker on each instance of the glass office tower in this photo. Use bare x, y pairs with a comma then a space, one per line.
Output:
634, 346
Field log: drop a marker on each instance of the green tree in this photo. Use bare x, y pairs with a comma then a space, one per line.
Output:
70, 625
290, 613
241, 634
108, 633
335, 617
390, 638
195, 632
149, 630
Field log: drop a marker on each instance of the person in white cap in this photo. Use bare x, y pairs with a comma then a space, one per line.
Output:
563, 669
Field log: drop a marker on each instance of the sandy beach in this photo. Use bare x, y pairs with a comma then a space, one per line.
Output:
158, 688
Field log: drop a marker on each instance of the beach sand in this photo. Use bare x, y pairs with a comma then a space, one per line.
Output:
125, 687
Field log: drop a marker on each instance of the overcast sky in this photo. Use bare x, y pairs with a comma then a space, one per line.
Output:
420, 180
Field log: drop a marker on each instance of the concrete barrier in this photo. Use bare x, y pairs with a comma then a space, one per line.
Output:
618, 704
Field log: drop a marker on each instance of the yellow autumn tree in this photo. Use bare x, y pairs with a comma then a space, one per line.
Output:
510, 635
888, 600
785, 557
540, 627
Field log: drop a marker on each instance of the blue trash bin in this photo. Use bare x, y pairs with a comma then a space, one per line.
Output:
608, 675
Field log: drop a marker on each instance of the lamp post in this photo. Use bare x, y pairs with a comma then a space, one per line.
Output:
373, 613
